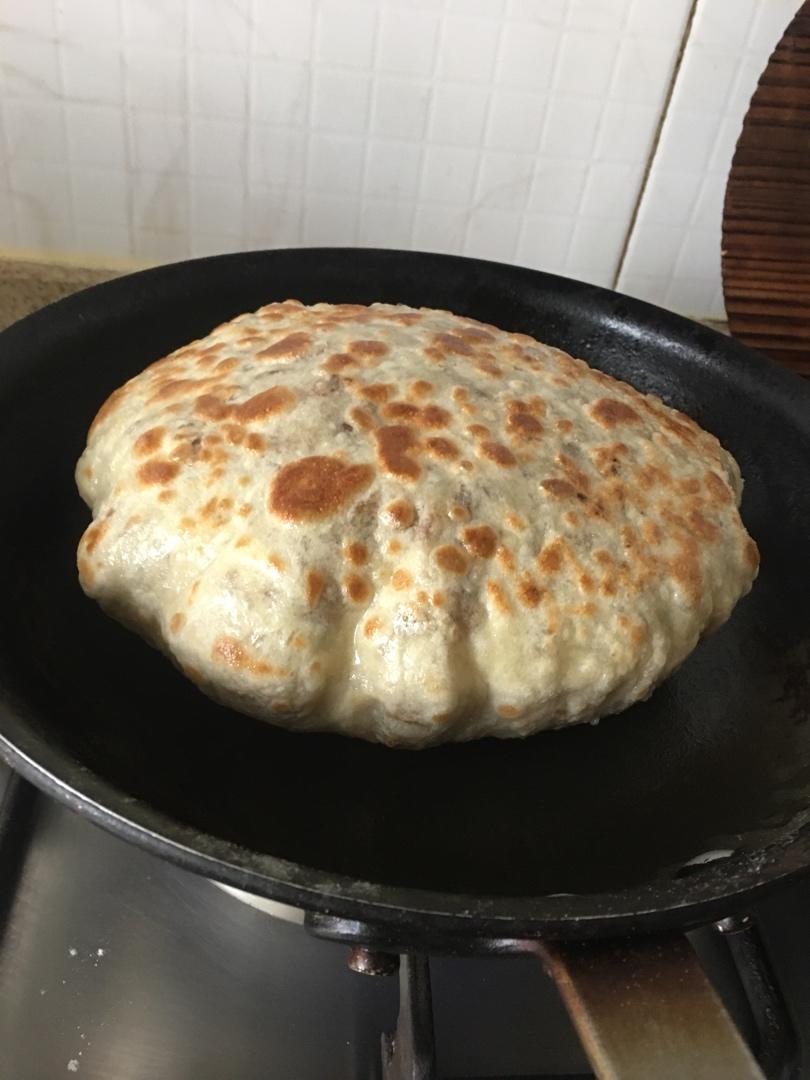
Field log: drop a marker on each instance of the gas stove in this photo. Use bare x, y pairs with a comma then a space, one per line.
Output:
116, 965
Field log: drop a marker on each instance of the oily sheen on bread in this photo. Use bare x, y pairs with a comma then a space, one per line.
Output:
406, 525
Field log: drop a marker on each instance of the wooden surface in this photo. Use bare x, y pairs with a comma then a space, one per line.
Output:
766, 220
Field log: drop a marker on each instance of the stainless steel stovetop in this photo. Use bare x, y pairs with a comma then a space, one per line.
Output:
115, 965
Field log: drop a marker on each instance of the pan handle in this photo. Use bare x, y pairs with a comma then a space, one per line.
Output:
645, 1008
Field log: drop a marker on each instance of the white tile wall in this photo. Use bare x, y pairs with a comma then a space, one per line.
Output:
518, 130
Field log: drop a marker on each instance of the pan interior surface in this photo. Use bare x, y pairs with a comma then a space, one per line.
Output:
717, 760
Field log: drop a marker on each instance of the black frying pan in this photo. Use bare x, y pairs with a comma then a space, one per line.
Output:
576, 833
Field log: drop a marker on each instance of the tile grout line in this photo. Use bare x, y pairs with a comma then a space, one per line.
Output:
656, 140
60, 69
476, 197
127, 119
371, 100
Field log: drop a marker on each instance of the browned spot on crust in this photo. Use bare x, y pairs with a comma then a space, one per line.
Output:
751, 552
434, 416
208, 356
607, 586
429, 416
571, 518
234, 434
575, 475
277, 563
357, 588
460, 396
394, 447
498, 453
133, 519
498, 597
505, 558
550, 559
689, 486
243, 541
400, 513
229, 651
651, 476
480, 540
478, 431
211, 407
473, 330
564, 426
508, 712
586, 583
158, 471
684, 430
362, 418
610, 412
717, 488
459, 513
167, 495
93, 537
316, 487
515, 522
217, 511
453, 343
289, 346
227, 365
316, 583
109, 407
685, 566
421, 388
652, 532
401, 579
559, 489
192, 674
176, 387
524, 426
451, 558
337, 362
269, 402
437, 599
466, 465
394, 547
442, 448
149, 442
372, 626
528, 591
255, 442
355, 553
177, 622
378, 392
368, 348
701, 527
87, 574
488, 367
607, 459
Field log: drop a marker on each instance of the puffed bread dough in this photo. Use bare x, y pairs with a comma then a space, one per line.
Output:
406, 525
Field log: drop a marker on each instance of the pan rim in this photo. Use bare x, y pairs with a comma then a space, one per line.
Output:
704, 897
